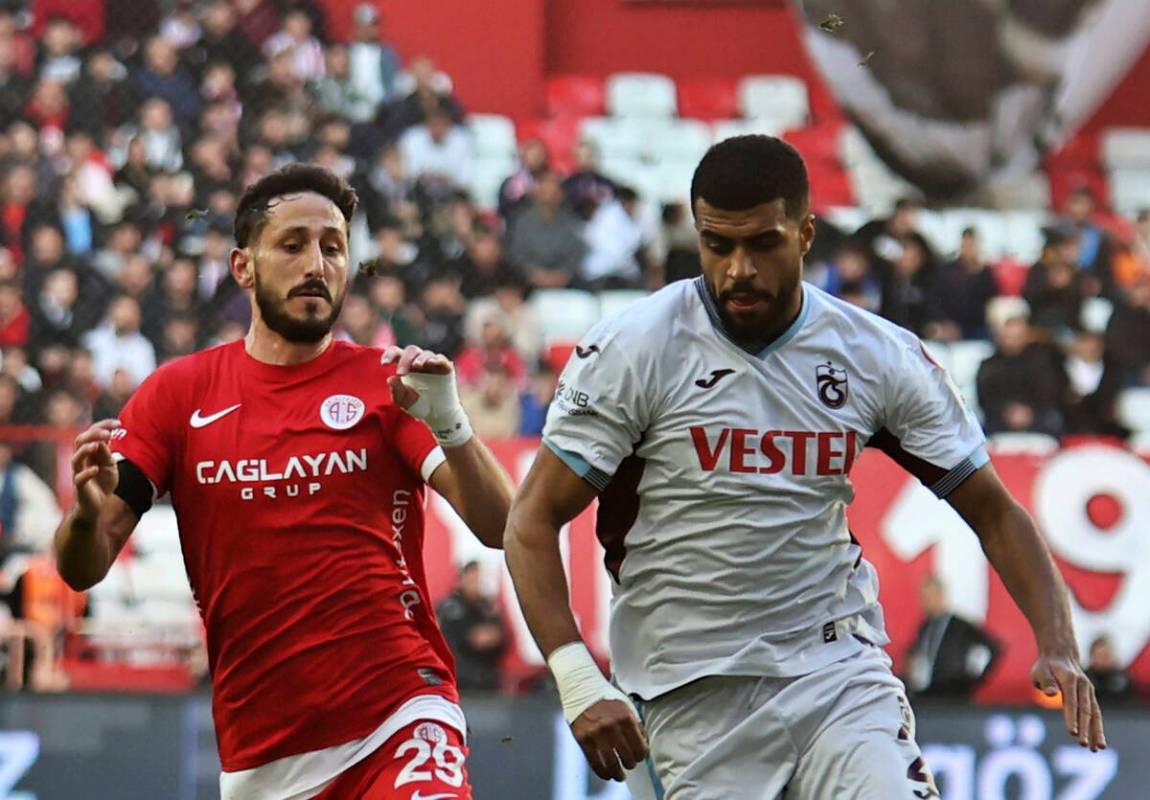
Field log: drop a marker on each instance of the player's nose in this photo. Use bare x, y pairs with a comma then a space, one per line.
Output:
313, 260
741, 267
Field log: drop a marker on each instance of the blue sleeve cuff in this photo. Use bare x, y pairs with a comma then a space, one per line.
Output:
965, 468
596, 477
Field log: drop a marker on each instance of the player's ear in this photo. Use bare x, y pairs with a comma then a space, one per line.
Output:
807, 233
243, 266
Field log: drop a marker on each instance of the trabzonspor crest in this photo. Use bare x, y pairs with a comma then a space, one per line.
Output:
831, 385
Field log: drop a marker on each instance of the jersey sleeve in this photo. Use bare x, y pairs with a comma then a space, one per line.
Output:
600, 410
929, 430
149, 438
416, 444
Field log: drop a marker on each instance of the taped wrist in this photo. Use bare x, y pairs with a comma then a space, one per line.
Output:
438, 405
580, 682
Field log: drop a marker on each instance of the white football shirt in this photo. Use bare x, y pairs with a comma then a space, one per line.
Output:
724, 478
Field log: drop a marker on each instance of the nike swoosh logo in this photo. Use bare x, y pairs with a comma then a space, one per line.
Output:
716, 376
198, 422
420, 796
582, 353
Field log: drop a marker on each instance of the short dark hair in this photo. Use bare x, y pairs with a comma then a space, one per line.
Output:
745, 171
252, 211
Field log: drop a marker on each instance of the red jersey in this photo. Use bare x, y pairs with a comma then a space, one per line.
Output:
299, 493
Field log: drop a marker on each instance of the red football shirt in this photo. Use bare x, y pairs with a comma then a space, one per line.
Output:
300, 504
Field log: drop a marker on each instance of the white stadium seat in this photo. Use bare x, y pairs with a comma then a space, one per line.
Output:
621, 169
157, 532
673, 180
1096, 313
1130, 190
494, 135
640, 94
729, 128
614, 138
1028, 444
1126, 148
965, 359
487, 175
677, 140
566, 314
1024, 238
992, 227
782, 99
1134, 409
847, 219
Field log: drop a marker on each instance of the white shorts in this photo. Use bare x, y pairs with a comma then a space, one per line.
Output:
844, 732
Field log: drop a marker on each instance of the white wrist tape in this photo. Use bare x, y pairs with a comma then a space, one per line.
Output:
580, 682
438, 406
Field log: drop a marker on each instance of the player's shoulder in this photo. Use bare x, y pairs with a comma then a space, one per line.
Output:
648, 319
863, 330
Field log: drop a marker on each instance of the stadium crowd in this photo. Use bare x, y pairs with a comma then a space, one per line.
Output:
122, 158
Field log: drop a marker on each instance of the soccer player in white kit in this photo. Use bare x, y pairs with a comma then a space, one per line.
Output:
717, 421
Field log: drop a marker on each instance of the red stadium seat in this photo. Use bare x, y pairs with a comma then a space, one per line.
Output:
708, 98
818, 142
1064, 182
1010, 276
579, 95
559, 134
1080, 152
558, 354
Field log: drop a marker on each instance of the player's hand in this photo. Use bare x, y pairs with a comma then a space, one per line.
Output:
94, 471
408, 360
611, 737
1053, 673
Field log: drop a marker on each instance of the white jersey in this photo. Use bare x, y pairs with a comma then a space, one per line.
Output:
724, 478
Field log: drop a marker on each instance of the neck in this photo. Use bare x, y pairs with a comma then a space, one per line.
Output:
267, 346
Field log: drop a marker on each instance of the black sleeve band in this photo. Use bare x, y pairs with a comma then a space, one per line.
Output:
134, 488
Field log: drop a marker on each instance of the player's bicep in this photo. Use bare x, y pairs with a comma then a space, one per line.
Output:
552, 494
982, 499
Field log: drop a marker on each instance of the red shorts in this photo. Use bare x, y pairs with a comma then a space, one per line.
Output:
423, 761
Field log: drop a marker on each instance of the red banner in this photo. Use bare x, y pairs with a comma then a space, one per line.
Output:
1091, 502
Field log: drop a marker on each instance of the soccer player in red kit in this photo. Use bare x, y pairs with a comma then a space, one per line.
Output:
297, 467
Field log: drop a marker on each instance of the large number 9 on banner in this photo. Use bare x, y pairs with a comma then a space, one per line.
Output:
1062, 495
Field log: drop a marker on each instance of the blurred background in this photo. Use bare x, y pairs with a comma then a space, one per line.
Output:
981, 173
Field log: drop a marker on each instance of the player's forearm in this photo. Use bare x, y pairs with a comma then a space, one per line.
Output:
483, 490
536, 568
1020, 557
84, 551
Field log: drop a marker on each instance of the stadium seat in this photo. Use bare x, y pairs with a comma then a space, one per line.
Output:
1134, 409
494, 135
566, 314
783, 99
877, 188
614, 138
1130, 190
487, 175
1024, 238
558, 134
673, 180
577, 95
1027, 444
621, 169
965, 359
821, 142
157, 532
558, 354
708, 98
1096, 313
615, 301
640, 94
1126, 148
847, 219
993, 230
677, 140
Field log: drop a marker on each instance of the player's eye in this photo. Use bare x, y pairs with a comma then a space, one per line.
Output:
333, 250
292, 247
718, 246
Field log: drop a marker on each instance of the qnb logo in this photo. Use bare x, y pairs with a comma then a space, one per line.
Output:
303, 472
831, 385
1018, 762
770, 452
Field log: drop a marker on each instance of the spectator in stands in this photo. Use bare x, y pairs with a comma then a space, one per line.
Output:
386, 191
60, 46
676, 245
163, 77
360, 323
19, 211
586, 187
847, 274
294, 39
1092, 384
15, 319
907, 287
57, 408
509, 298
180, 27
118, 344
115, 396
490, 350
443, 308
221, 42
958, 297
950, 656
14, 362
374, 64
546, 240
438, 153
257, 20
515, 191
473, 628
101, 99
1128, 333
49, 110
1133, 264
481, 267
1055, 286
492, 403
615, 240
534, 402
12, 406
29, 514
1111, 682
429, 91
884, 238
388, 298
1095, 249
13, 86
1019, 386
57, 315
180, 336
157, 130
335, 91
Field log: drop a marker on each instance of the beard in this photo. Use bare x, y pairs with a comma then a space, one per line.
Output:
307, 329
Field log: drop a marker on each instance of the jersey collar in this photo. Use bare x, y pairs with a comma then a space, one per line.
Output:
779, 341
